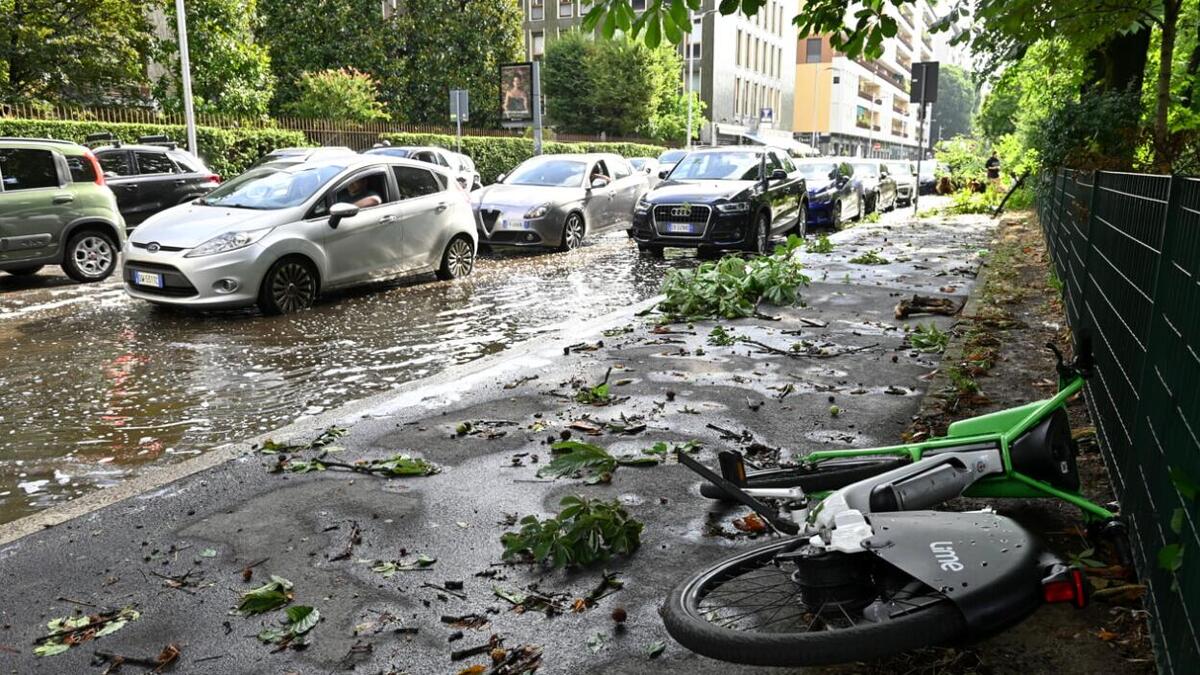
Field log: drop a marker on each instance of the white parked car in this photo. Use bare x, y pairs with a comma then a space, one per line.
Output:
276, 237
464, 172
906, 181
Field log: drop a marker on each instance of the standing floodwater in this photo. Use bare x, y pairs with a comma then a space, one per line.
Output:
94, 384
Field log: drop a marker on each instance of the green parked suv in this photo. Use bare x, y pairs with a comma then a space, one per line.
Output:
56, 210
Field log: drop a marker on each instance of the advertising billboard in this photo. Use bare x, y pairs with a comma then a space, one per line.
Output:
516, 92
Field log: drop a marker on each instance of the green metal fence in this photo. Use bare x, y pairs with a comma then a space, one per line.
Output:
1127, 250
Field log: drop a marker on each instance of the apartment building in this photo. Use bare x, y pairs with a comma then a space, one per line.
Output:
861, 107
741, 65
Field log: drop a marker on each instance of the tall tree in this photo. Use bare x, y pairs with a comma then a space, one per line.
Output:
231, 73
617, 87
435, 45
955, 103
82, 51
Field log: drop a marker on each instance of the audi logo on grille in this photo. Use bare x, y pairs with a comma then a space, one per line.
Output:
681, 211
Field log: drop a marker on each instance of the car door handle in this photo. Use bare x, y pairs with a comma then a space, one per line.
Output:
64, 199
387, 219
441, 207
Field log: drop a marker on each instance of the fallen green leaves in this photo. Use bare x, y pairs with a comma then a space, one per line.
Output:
272, 595
395, 466
733, 287
294, 633
663, 449
871, 257
388, 568
584, 532
928, 339
324, 441
820, 245
719, 336
68, 631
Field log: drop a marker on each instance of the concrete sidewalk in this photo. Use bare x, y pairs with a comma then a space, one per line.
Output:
212, 523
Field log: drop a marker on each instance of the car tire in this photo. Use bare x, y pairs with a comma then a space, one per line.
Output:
573, 233
762, 234
650, 250
835, 215
802, 220
25, 271
90, 256
290, 285
458, 260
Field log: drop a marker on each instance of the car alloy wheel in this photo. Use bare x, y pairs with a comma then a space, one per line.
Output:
293, 287
802, 220
572, 232
93, 256
762, 235
460, 259
835, 215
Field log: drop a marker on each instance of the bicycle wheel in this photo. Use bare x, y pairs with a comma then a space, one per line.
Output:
757, 610
828, 475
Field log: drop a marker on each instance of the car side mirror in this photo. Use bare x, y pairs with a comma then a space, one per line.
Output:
663, 173
842, 179
779, 174
648, 170
339, 212
500, 177
599, 182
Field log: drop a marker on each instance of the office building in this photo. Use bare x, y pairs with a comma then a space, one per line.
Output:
741, 65
861, 107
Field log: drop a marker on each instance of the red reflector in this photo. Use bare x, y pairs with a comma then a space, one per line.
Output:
214, 178
1069, 589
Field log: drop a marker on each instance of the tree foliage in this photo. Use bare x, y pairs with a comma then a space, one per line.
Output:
618, 87
340, 94
84, 51
955, 103
231, 73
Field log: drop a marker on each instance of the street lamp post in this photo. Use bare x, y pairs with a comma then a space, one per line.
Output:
189, 115
690, 61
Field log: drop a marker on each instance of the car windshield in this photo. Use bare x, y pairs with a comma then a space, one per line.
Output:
549, 173
271, 188
899, 170
817, 170
718, 166
867, 169
671, 156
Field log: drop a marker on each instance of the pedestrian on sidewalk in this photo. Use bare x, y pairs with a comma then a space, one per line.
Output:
993, 171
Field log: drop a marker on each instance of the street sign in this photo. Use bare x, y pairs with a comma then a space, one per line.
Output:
924, 82
460, 105
766, 115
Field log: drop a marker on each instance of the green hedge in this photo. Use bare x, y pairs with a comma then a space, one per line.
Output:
225, 151
494, 155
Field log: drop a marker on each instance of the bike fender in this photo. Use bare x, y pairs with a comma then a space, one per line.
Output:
987, 565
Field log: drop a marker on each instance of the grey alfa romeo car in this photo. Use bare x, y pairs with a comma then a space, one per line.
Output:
554, 201
277, 236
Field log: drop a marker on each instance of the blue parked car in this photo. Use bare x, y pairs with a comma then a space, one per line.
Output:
834, 195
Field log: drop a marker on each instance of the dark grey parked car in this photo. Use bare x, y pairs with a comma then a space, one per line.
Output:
152, 175
554, 201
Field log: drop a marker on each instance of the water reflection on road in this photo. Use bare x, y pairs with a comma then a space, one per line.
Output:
94, 384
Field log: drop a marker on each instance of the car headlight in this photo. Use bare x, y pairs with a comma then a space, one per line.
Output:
538, 211
642, 206
734, 207
230, 241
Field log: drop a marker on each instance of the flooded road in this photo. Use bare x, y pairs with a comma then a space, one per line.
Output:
94, 384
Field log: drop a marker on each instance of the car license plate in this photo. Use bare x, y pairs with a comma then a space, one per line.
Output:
148, 279
682, 228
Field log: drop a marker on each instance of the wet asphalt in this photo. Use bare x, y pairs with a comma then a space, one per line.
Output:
95, 385
210, 525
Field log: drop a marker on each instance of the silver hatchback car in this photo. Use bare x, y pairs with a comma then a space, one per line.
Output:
277, 237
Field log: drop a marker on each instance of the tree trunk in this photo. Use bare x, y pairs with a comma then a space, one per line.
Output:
1166, 55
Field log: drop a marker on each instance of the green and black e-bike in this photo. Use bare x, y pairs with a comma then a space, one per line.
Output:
868, 570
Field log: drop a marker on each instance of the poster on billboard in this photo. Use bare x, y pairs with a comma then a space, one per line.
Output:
516, 92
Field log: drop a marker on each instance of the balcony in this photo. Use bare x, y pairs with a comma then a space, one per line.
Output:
900, 108
905, 39
907, 15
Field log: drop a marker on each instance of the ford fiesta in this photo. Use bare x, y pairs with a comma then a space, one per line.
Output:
723, 198
276, 237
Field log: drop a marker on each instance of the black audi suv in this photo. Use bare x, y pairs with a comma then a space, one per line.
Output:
736, 197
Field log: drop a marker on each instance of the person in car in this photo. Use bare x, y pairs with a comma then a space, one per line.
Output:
359, 194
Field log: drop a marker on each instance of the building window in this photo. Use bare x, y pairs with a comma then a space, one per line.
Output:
537, 10
737, 93
812, 50
737, 58
537, 44
566, 8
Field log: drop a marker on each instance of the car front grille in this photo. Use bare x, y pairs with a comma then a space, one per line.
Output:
489, 217
682, 213
138, 244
